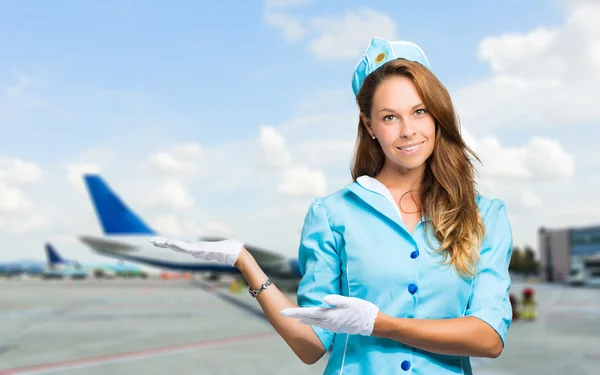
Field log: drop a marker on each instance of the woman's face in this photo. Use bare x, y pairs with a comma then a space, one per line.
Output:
401, 124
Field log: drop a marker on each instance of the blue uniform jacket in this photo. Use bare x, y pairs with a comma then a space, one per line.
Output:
354, 243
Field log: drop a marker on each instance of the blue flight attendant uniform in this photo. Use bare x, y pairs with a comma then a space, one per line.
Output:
354, 244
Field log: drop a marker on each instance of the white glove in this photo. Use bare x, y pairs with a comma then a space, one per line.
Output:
349, 315
226, 251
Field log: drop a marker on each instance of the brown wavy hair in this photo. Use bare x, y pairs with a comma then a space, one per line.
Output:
448, 191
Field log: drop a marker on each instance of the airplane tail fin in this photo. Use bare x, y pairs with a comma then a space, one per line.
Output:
113, 214
52, 255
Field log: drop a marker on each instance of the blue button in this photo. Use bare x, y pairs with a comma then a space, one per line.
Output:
405, 365
414, 254
412, 288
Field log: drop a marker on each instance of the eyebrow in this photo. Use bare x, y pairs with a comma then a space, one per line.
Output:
391, 110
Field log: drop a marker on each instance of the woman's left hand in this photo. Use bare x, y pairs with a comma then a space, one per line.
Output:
348, 315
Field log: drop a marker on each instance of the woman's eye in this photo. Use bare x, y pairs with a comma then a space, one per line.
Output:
421, 111
389, 118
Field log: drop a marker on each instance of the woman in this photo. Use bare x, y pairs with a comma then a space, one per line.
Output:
406, 268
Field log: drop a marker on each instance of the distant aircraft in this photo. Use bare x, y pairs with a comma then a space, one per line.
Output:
59, 268
22, 267
118, 220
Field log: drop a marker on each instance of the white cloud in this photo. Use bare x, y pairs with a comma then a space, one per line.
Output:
347, 37
277, 14
545, 77
274, 149
327, 152
302, 181
22, 222
171, 194
575, 3
519, 53
17, 171
75, 172
167, 225
335, 38
296, 179
209, 228
63, 239
541, 159
18, 212
548, 160
12, 199
290, 26
172, 226
178, 159
530, 199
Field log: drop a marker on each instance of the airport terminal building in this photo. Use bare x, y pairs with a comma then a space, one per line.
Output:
570, 255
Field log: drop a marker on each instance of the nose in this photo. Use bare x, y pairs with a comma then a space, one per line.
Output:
407, 129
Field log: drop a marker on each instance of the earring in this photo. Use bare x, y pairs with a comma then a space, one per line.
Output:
373, 136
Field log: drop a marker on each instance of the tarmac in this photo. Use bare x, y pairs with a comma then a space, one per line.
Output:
181, 327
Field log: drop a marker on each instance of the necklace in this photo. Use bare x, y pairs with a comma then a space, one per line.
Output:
406, 212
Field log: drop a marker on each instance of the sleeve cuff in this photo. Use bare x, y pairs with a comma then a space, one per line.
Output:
496, 321
324, 335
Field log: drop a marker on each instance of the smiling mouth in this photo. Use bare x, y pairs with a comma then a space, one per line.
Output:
411, 147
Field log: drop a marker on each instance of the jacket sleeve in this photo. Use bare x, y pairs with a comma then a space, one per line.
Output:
490, 300
319, 263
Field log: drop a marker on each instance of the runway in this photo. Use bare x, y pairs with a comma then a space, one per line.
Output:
564, 340
175, 326
134, 327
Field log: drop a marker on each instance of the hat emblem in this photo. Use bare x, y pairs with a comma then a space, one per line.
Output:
380, 57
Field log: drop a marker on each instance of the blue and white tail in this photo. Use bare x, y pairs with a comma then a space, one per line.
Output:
114, 215
52, 256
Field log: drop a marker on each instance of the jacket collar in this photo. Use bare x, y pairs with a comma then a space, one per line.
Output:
377, 196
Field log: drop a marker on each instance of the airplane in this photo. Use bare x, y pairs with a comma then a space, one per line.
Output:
126, 236
59, 267
22, 267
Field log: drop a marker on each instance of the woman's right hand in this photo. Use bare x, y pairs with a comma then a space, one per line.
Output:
300, 337
226, 251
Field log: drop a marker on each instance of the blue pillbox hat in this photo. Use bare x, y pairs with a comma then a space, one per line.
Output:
381, 51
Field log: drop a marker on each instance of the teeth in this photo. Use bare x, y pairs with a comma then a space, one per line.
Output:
411, 148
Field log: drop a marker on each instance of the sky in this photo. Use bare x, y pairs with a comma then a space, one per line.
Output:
230, 117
